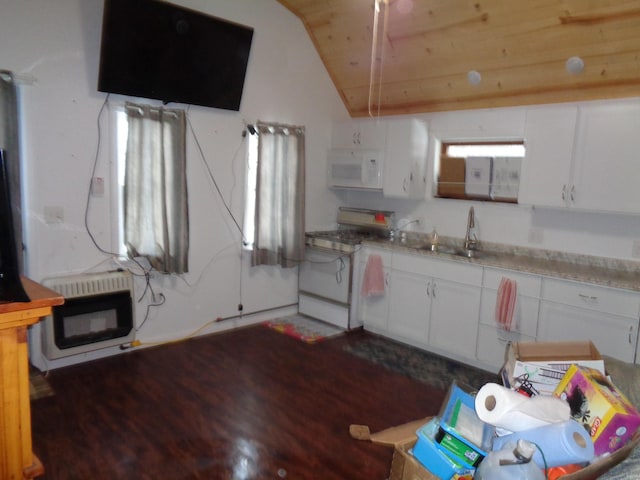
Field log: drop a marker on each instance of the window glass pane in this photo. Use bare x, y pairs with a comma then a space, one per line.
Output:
250, 203
479, 171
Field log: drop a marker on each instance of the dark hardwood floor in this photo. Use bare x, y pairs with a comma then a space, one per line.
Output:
246, 404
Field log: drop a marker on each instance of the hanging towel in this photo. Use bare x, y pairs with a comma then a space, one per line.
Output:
505, 303
373, 279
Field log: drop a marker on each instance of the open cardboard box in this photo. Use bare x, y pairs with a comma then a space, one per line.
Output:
405, 467
523, 356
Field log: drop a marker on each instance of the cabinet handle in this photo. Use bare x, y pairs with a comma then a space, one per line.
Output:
630, 332
564, 192
386, 279
572, 194
428, 289
404, 185
433, 290
588, 298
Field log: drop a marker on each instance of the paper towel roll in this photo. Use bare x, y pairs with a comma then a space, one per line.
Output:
514, 412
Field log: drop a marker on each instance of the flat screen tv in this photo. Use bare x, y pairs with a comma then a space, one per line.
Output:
11, 289
154, 49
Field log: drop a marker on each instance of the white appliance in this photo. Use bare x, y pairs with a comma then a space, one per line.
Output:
355, 168
325, 277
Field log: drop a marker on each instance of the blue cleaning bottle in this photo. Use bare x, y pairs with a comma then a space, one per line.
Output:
512, 462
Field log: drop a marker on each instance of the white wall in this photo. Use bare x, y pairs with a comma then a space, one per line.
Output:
56, 43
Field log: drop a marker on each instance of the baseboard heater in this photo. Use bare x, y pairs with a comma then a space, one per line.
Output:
98, 313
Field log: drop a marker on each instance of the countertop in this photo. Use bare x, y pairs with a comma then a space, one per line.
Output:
604, 271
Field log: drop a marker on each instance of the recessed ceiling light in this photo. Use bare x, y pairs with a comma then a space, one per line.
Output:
574, 65
474, 77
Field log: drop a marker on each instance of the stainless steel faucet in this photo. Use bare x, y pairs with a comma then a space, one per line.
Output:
470, 239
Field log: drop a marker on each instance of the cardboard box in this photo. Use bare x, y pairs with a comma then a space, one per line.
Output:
477, 177
451, 179
609, 416
557, 356
405, 467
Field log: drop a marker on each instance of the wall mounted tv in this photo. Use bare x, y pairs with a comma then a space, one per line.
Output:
154, 49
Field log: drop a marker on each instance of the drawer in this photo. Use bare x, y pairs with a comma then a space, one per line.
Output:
525, 314
592, 297
527, 284
453, 271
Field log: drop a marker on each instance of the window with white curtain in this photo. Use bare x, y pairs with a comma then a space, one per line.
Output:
153, 186
274, 214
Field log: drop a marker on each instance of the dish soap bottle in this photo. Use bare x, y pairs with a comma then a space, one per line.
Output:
434, 240
510, 463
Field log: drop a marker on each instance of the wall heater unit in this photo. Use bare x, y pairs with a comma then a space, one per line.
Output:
97, 313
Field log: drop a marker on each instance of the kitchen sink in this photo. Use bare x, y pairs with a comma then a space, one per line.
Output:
455, 250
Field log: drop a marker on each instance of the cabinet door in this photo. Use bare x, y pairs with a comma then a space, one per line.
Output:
359, 134
607, 157
406, 159
454, 317
575, 311
612, 334
409, 306
372, 311
546, 170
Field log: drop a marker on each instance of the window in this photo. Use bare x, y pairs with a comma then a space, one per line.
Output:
274, 212
480, 171
152, 187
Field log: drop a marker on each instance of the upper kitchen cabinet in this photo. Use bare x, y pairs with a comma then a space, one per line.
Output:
369, 134
405, 171
583, 157
607, 167
546, 170
404, 144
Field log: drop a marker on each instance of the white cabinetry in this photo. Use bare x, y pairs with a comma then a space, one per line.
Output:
435, 302
410, 300
372, 311
607, 173
492, 340
583, 156
546, 170
454, 309
366, 133
405, 144
405, 174
575, 311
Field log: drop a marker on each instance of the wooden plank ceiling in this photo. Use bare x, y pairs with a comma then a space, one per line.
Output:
423, 51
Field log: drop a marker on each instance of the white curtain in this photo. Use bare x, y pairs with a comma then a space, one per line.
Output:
156, 220
9, 142
280, 193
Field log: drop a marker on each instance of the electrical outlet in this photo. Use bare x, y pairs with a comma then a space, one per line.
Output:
536, 235
635, 250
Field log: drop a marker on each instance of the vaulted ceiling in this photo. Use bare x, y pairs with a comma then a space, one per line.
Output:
425, 52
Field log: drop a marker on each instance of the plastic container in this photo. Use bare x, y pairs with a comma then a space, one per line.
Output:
562, 443
513, 462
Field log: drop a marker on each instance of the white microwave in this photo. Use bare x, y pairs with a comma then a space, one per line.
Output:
355, 168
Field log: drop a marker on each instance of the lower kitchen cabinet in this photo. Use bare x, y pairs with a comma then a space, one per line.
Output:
606, 316
448, 307
372, 311
493, 340
436, 303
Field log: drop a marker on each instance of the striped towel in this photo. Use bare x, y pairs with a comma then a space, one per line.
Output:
506, 303
373, 279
